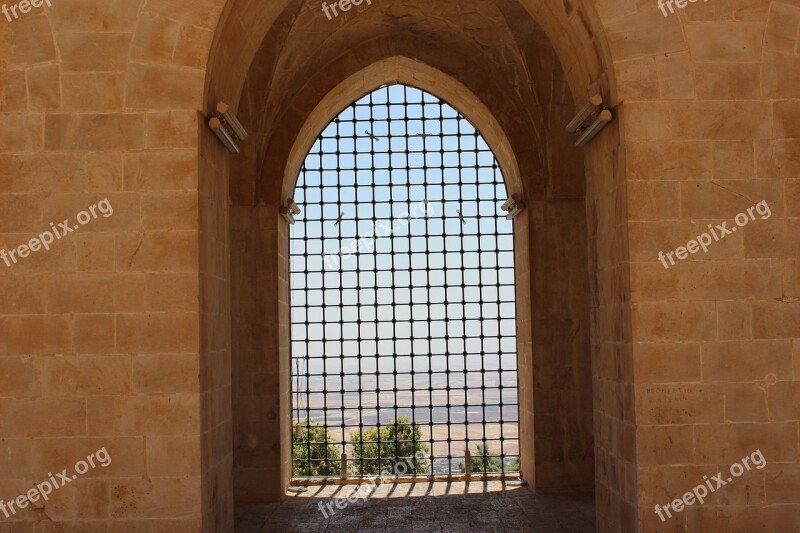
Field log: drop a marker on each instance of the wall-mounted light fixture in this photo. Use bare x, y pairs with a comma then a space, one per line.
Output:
290, 210
590, 120
589, 133
227, 127
513, 206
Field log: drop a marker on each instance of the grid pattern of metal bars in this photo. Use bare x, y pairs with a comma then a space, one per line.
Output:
402, 295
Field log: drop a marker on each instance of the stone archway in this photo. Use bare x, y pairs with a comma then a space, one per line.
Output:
527, 137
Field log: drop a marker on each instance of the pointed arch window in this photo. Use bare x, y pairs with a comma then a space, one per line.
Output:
403, 325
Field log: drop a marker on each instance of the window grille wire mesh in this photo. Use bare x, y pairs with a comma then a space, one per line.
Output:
403, 344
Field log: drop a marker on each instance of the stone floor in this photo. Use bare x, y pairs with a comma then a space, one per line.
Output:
426, 507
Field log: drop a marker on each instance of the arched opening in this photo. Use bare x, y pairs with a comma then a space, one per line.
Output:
403, 322
566, 232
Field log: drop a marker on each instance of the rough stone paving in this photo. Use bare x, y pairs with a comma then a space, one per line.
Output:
425, 507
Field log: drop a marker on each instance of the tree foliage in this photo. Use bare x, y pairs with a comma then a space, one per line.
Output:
399, 443
312, 441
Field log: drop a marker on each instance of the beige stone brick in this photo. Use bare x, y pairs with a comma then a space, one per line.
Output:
42, 172
176, 414
781, 74
714, 280
652, 282
13, 91
732, 120
87, 375
777, 159
165, 373
157, 332
161, 497
44, 88
721, 41
728, 81
20, 377
202, 13
124, 213
679, 404
772, 238
90, 91
160, 87
95, 252
16, 460
157, 251
675, 76
784, 400
745, 402
96, 15
774, 319
31, 41
104, 171
796, 358
708, 11
637, 78
746, 360
162, 452
653, 200
126, 456
664, 445
672, 160
94, 51
750, 9
22, 294
643, 34
729, 443
734, 160
20, 133
787, 115
744, 519
155, 39
734, 321
649, 238
172, 292
783, 26
94, 132
31, 418
191, 40
96, 293
171, 129
35, 334
710, 199
782, 481
21, 213
647, 121
94, 334
676, 321
170, 210
175, 171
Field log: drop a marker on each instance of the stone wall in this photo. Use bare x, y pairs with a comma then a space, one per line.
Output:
127, 333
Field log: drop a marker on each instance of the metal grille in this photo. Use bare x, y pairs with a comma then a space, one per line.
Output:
402, 296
